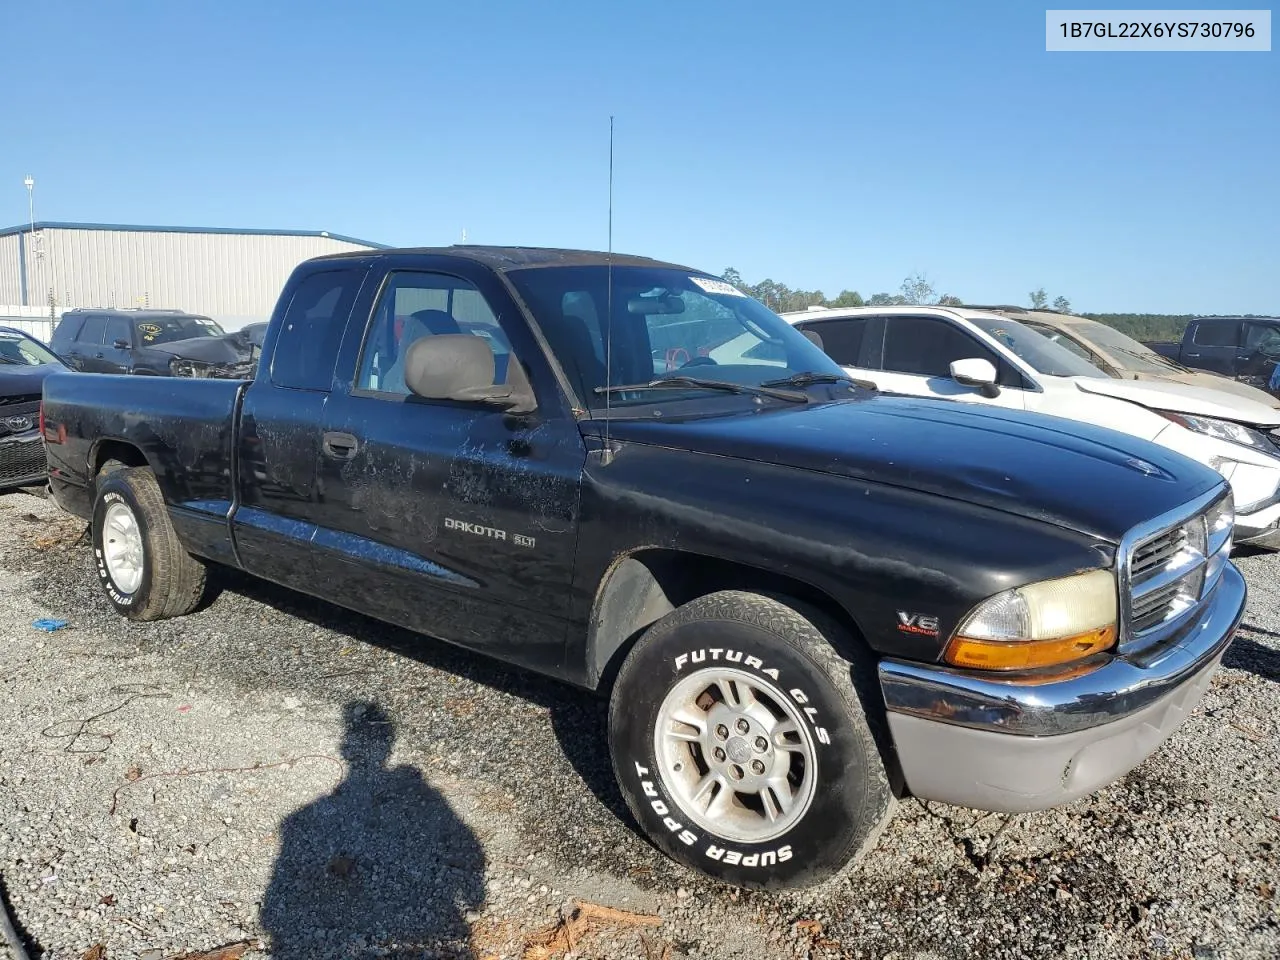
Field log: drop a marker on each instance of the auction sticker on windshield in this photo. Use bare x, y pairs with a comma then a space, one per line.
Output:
717, 286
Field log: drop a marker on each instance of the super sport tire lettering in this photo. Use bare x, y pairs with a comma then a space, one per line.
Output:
850, 800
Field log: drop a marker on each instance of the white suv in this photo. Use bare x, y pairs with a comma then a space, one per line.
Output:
976, 356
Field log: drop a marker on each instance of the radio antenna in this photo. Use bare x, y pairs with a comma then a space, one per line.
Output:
607, 454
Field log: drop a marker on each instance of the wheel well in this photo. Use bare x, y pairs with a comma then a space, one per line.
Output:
118, 450
647, 585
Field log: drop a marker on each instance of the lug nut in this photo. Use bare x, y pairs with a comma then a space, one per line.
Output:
762, 744
743, 726
735, 771
757, 767
722, 731
718, 754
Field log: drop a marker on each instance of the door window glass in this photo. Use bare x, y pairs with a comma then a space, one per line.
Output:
93, 329
1217, 333
841, 339
927, 346
1262, 338
416, 305
117, 329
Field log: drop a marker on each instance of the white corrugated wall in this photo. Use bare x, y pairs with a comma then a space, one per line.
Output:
10, 276
231, 276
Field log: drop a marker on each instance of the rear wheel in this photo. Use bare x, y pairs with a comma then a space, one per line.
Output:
741, 744
141, 564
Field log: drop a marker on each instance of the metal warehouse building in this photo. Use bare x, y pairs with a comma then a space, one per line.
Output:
233, 276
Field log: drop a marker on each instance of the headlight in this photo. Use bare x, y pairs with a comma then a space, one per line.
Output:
1222, 430
1039, 625
182, 367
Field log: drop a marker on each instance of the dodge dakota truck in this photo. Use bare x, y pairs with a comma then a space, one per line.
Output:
804, 600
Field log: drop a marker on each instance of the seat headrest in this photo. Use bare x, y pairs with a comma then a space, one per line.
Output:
436, 322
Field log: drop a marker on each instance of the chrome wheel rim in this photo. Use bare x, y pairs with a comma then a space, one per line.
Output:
122, 547
735, 754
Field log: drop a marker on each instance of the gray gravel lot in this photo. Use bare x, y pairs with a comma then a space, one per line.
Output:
277, 773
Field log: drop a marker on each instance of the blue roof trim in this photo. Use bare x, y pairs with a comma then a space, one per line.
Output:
137, 228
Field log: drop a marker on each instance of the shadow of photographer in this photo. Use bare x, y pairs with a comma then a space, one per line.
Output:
381, 866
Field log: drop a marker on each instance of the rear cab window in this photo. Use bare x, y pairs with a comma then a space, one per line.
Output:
306, 348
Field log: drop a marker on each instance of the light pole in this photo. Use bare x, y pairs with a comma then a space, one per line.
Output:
30, 184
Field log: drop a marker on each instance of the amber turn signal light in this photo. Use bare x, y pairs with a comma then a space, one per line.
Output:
1027, 654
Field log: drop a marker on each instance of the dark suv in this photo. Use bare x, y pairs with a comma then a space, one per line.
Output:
160, 342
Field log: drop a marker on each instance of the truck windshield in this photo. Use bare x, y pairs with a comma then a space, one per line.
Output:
662, 321
156, 330
1043, 355
1127, 352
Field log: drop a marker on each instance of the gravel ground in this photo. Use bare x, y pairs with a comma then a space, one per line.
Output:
280, 774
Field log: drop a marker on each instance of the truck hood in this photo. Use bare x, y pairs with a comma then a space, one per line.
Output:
1212, 381
20, 381
1084, 478
1184, 398
231, 348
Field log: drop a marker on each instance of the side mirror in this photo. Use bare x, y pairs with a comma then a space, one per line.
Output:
976, 372
121, 344
459, 366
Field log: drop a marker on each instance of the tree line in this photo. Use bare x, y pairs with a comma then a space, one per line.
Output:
918, 290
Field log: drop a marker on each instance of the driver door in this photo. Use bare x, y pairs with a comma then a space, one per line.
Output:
1259, 351
457, 520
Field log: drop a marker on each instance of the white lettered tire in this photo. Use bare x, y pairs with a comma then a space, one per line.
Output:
141, 564
741, 744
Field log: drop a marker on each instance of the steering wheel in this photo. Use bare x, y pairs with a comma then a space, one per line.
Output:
699, 362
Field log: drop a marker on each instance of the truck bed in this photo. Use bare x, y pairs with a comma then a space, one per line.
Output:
184, 427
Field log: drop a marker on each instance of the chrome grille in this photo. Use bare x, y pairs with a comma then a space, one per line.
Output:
1169, 568
1157, 551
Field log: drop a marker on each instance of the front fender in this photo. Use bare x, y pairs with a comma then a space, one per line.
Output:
906, 567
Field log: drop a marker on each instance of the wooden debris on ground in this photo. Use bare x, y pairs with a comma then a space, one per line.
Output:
231, 951
577, 923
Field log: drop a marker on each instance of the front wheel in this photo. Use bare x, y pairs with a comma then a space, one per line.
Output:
141, 563
741, 744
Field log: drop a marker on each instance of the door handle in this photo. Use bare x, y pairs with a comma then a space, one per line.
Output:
1193, 356
98, 356
340, 446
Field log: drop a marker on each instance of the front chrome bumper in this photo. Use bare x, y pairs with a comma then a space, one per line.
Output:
999, 745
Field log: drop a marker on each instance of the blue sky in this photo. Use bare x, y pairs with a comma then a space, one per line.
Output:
824, 145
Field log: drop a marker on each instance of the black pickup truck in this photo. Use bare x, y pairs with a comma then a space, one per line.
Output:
1245, 348
804, 600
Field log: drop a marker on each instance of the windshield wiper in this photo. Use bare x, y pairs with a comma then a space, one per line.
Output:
667, 383
1157, 359
808, 378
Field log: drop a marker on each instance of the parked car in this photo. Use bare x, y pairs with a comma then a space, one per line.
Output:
1119, 355
156, 342
1245, 348
802, 598
977, 356
24, 363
